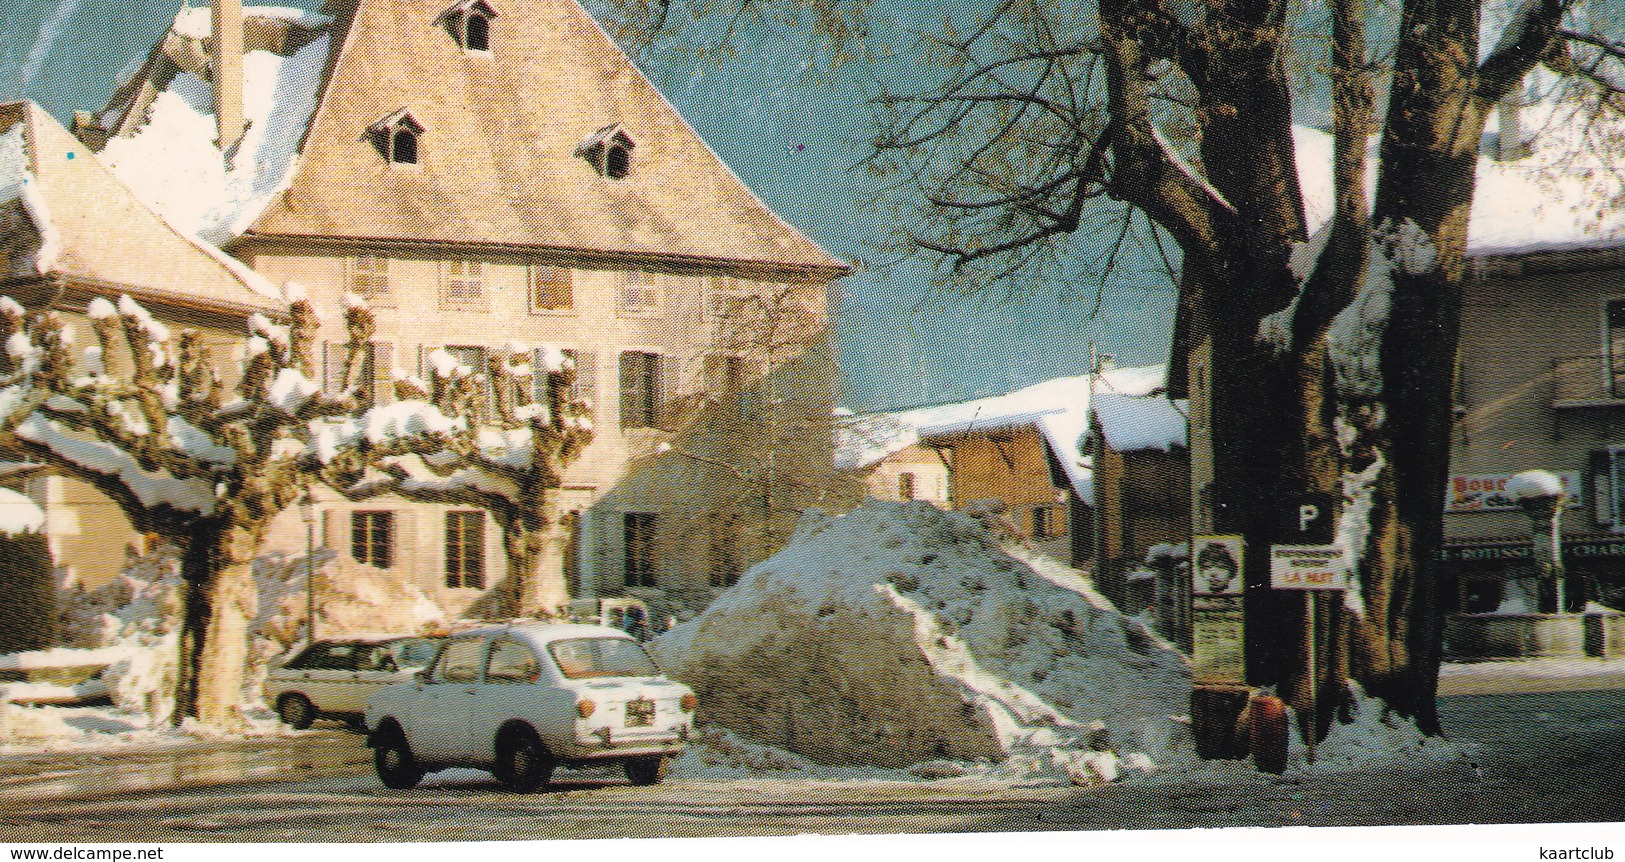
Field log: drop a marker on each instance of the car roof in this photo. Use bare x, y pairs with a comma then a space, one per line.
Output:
540, 633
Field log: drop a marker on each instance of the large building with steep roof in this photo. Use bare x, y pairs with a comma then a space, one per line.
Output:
482, 173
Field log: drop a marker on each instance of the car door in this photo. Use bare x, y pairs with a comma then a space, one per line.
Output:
374, 669
438, 723
325, 674
510, 689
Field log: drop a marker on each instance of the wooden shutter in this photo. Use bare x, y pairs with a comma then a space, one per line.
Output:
587, 377
668, 370
383, 372
634, 390
332, 366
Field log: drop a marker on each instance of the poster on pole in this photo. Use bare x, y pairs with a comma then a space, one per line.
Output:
1217, 633
1308, 567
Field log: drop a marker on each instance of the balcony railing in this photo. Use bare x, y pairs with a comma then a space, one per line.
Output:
1586, 381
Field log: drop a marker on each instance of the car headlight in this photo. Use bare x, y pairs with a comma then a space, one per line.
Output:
689, 702
585, 707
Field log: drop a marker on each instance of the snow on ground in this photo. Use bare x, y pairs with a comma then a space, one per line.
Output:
130, 625
900, 634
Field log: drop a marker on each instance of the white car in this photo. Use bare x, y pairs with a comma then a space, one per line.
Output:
334, 678
523, 698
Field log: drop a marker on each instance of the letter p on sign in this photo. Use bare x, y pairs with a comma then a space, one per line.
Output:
1308, 513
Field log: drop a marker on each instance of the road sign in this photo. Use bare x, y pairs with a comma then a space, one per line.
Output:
1308, 567
1309, 518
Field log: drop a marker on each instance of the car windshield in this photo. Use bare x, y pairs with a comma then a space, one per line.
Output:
588, 657
415, 652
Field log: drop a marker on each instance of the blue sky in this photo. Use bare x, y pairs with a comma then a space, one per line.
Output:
790, 131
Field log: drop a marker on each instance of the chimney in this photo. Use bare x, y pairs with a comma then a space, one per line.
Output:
226, 17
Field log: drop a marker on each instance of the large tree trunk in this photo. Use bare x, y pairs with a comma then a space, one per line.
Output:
221, 599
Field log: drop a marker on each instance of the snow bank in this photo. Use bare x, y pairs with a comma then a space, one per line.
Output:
130, 625
1132, 424
900, 634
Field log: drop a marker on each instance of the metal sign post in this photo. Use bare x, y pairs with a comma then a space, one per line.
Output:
1311, 569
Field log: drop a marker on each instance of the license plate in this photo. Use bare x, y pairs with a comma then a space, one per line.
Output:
640, 712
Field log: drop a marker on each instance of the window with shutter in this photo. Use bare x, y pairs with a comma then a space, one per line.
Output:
640, 294
639, 532
369, 277
463, 282
372, 538
640, 389
465, 550
1615, 511
551, 289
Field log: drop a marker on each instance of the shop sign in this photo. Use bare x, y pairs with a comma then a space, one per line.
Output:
1487, 492
1582, 549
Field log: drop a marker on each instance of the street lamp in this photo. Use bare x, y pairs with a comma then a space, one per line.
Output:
307, 513
1541, 496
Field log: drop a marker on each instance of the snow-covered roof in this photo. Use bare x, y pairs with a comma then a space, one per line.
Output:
171, 161
91, 228
1560, 197
1131, 423
1058, 408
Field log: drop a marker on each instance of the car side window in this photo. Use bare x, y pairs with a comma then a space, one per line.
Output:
375, 658
460, 661
311, 657
338, 657
511, 662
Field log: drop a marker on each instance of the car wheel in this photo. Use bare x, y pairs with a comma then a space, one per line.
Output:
392, 756
296, 711
523, 763
646, 770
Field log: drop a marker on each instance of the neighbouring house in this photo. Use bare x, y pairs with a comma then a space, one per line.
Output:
1541, 385
1021, 449
70, 233
485, 175
1137, 444
1540, 380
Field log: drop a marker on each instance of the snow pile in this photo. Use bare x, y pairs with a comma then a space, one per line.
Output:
1376, 736
171, 162
900, 634
358, 599
136, 615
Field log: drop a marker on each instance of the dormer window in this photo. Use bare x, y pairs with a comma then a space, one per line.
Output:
396, 137
609, 151
469, 22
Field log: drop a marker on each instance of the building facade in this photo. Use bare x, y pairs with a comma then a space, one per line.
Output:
485, 177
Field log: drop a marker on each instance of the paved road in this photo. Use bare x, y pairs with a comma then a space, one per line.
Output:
1532, 758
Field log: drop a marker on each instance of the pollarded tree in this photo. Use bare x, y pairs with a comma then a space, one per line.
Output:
516, 430
144, 418
1047, 132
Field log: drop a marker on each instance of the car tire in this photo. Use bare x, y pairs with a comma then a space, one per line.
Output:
397, 768
296, 711
645, 771
523, 763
